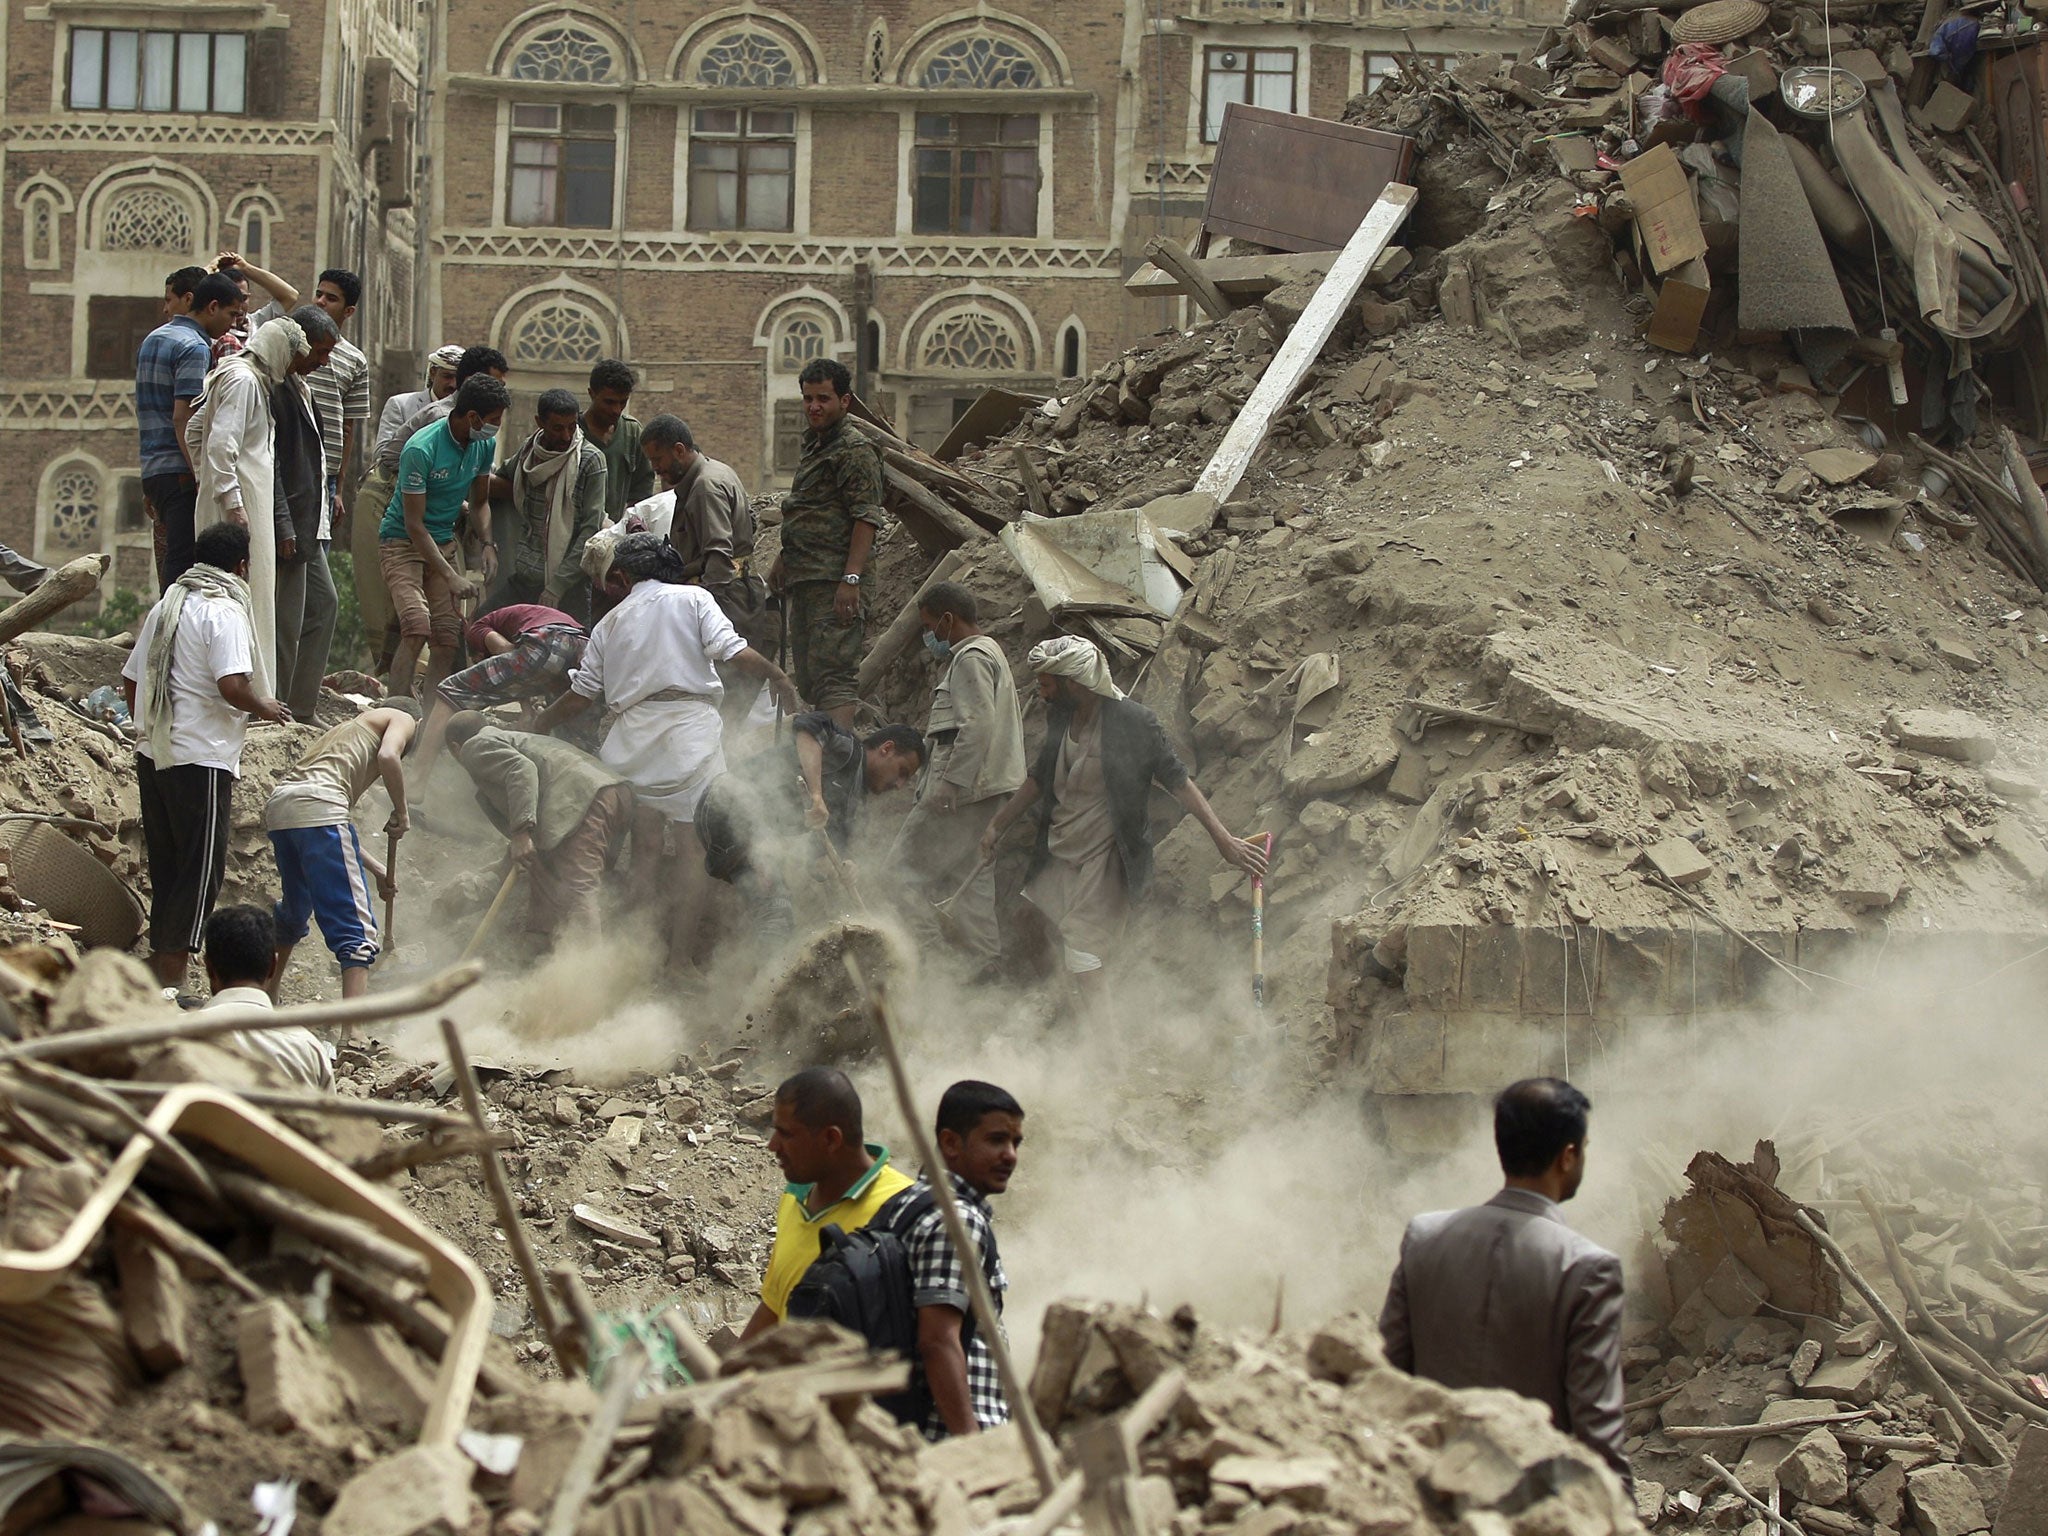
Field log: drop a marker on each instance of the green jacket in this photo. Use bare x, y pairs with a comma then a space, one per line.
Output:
628, 473
838, 484
533, 781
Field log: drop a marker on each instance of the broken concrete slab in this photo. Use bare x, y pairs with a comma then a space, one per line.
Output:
1944, 1502
1951, 733
1858, 1379
420, 1492
2024, 1510
1678, 860
289, 1384
1838, 466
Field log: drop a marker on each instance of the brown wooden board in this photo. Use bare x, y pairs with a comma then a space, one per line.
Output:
1299, 183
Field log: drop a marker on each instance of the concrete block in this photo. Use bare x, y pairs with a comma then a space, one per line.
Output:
1858, 1379
1677, 860
1951, 733
289, 1384
1492, 969
1409, 782
1436, 957
1944, 1502
1882, 1495
420, 1492
1817, 1471
155, 1304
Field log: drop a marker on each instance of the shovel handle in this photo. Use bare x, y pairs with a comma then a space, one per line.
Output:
391, 901
491, 916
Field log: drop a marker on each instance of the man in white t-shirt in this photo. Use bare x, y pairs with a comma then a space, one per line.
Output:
192, 681
652, 662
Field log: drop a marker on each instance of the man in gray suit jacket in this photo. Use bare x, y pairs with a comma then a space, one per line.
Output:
1505, 1294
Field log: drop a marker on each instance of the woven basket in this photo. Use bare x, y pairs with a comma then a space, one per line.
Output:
59, 876
1720, 21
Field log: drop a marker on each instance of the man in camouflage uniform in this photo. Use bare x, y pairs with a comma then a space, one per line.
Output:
829, 522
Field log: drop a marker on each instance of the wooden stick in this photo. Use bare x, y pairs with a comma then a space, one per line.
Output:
1194, 282
839, 868
575, 1298
1758, 1505
2032, 503
391, 901
1138, 1422
955, 527
1654, 1400
988, 1322
588, 1462
436, 1146
902, 630
1966, 1374
508, 1207
346, 1235
53, 594
1475, 717
1758, 1431
1304, 344
1034, 484
427, 1334
1888, 1442
312, 1103
1909, 1284
1916, 1358
491, 915
209, 1022
193, 1253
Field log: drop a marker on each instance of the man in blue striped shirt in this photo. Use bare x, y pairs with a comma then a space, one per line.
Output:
170, 375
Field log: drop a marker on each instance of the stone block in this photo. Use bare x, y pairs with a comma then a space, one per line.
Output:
1734, 1289
1944, 1502
1556, 969
1698, 1325
1321, 820
1301, 1481
1715, 1397
1882, 1495
1409, 782
155, 1304
1406, 1055
1347, 1347
1951, 733
1337, 763
1436, 958
980, 1463
420, 1492
1817, 1471
1635, 964
387, 1380
1063, 1338
2024, 1510
1482, 1050
1677, 860
1492, 977
289, 1384
2021, 849
1858, 1379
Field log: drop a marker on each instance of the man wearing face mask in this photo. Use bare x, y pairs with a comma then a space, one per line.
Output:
444, 470
976, 733
1092, 785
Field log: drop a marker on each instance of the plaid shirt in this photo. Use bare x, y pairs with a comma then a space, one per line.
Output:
538, 665
170, 367
937, 1280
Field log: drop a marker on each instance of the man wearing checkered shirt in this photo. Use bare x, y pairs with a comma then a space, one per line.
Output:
980, 1129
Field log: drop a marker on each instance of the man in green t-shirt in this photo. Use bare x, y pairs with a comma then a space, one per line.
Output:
628, 472
829, 522
444, 470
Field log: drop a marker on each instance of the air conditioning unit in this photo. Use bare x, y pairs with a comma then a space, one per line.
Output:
380, 82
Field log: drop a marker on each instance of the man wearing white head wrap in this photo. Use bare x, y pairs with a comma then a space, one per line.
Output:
1091, 784
230, 438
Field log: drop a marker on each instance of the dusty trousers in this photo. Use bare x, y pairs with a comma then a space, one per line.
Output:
565, 877
938, 850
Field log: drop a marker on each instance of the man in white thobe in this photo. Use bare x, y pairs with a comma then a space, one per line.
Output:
651, 662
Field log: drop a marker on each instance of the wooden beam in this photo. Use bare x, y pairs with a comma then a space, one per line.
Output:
53, 594
1245, 278
948, 527
1034, 486
1188, 272
1304, 343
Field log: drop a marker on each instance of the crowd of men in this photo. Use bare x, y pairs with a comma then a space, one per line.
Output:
631, 629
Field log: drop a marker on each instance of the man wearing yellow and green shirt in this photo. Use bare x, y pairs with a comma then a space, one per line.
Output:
836, 1179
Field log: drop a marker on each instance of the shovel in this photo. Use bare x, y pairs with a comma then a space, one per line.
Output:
942, 911
491, 916
391, 901
1265, 839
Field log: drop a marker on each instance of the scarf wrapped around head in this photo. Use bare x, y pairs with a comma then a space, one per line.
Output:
272, 348
153, 696
538, 466
1078, 658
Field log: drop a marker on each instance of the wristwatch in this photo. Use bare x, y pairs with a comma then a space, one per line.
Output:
851, 579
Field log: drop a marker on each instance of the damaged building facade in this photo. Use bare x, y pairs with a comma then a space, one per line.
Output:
140, 138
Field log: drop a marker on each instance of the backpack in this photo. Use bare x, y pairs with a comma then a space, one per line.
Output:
861, 1280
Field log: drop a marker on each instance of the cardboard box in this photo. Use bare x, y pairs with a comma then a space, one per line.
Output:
1681, 303
1667, 219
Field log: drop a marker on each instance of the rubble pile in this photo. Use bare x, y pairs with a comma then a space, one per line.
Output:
1752, 1324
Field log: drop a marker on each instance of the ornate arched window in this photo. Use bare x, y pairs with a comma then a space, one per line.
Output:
565, 53
980, 63
72, 511
801, 341
146, 218
749, 58
878, 53
39, 230
559, 332
971, 341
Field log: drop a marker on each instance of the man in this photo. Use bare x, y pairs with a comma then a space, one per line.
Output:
178, 291
711, 525
443, 472
528, 653
976, 733
829, 522
837, 1178
170, 376
305, 596
373, 598
980, 1131
628, 476
1505, 1294
770, 795
242, 967
281, 297
194, 676
555, 481
565, 812
651, 662
340, 390
321, 864
1092, 784
470, 362
232, 440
